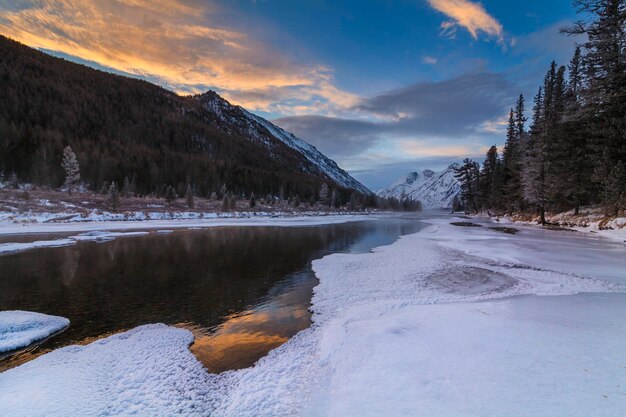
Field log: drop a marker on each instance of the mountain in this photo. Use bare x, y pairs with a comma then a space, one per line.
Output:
266, 132
432, 189
124, 127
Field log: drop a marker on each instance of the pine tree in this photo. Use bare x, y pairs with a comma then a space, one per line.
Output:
324, 194
71, 168
333, 199
170, 195
511, 159
468, 175
533, 174
126, 188
189, 197
489, 183
226, 202
113, 197
252, 201
604, 109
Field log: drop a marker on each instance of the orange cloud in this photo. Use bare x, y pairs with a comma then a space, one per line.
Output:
471, 16
181, 46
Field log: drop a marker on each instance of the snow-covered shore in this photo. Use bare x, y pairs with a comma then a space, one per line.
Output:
449, 321
182, 222
19, 329
109, 230
590, 220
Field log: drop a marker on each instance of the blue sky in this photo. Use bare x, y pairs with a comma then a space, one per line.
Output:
382, 86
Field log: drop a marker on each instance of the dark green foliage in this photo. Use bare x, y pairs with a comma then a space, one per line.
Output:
468, 175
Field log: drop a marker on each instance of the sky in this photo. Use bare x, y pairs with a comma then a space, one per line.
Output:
383, 87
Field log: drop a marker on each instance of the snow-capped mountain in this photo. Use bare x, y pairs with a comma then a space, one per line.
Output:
433, 189
258, 128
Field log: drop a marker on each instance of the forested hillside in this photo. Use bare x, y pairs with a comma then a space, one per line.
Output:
573, 152
122, 128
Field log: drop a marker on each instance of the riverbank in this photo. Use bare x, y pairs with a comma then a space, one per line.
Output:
448, 321
589, 220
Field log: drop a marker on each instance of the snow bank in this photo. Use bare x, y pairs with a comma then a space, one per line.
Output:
11, 247
147, 371
19, 329
278, 220
99, 236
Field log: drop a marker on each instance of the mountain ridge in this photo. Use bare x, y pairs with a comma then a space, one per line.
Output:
122, 127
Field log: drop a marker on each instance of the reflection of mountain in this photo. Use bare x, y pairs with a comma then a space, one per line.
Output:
432, 189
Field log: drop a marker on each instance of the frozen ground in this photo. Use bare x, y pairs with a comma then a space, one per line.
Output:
450, 321
19, 329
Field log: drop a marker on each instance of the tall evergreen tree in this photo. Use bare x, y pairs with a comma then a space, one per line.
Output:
533, 174
490, 192
604, 24
468, 175
71, 168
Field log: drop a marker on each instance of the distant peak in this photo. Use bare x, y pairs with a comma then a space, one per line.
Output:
428, 173
411, 177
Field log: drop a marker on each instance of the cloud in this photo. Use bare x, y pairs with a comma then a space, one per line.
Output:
453, 108
450, 118
336, 136
469, 15
181, 45
430, 60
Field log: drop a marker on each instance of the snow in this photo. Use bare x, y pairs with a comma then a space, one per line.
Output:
432, 189
99, 236
267, 219
19, 329
11, 247
147, 371
448, 321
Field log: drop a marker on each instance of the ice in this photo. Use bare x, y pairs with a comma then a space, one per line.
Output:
19, 329
450, 321
11, 247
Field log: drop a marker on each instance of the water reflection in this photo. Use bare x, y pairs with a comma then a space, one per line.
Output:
241, 290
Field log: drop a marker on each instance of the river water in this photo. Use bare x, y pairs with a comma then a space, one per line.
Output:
242, 291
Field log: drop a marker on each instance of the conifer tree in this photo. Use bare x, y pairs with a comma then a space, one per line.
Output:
71, 168
252, 202
324, 194
189, 197
113, 197
170, 195
468, 175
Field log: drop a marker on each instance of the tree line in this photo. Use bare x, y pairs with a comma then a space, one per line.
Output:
573, 152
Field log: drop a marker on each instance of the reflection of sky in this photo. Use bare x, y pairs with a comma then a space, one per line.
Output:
245, 337
376, 85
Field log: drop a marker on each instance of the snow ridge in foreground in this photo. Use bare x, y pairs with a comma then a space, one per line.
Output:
397, 331
19, 329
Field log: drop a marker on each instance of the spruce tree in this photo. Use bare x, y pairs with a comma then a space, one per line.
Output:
170, 195
189, 197
113, 197
71, 168
533, 174
468, 175
604, 112
324, 194
252, 202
